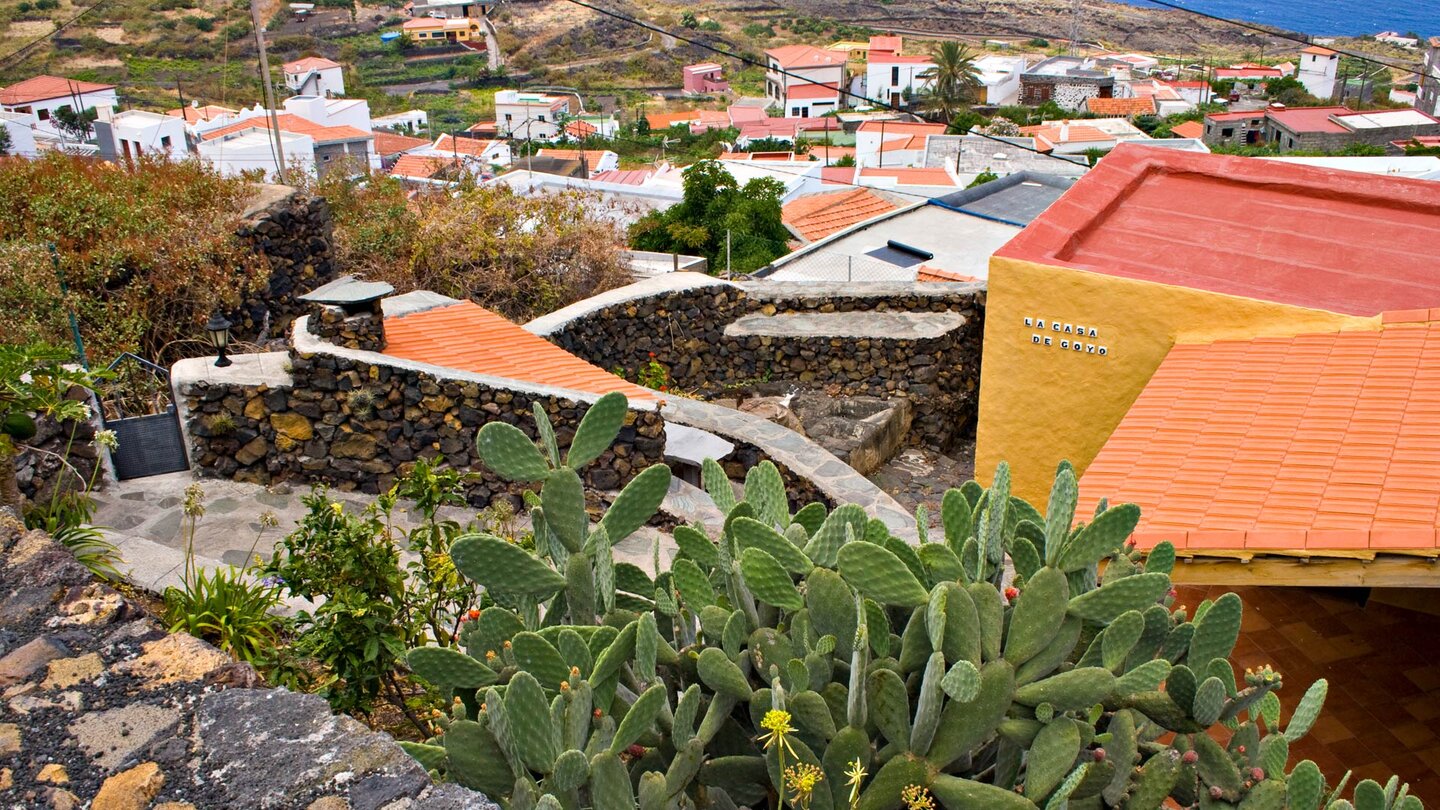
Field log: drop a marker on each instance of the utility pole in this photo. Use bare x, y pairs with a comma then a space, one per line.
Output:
727, 253
882, 143
269, 91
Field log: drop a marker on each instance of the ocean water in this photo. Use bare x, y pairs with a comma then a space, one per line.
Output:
1325, 17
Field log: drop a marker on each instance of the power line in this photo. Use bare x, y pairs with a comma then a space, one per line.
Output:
782, 71
23, 50
1292, 36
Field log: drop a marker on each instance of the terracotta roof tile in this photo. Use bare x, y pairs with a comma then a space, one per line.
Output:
309, 63
592, 156
388, 143
1121, 107
804, 56
194, 115
467, 337
293, 123
420, 166
475, 147
40, 88
816, 216
1314, 442
1189, 129
812, 91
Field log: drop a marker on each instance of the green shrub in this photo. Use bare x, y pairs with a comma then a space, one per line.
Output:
815, 657
228, 608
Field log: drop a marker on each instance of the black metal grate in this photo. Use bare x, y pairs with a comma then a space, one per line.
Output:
148, 445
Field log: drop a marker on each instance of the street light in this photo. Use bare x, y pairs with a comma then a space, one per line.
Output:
217, 329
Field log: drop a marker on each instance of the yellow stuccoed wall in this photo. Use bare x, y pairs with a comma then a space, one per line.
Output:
1041, 404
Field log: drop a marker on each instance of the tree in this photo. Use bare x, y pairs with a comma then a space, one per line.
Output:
983, 178
35, 381
688, 20
5, 144
1289, 91
714, 204
1002, 127
75, 124
954, 81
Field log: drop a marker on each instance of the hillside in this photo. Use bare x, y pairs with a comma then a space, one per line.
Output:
162, 50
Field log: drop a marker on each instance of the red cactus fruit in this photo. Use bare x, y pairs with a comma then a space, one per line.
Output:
1190, 758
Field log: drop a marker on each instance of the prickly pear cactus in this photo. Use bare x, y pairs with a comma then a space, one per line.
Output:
1016, 660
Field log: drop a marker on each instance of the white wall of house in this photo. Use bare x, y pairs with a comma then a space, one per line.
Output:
782, 82
1317, 73
887, 80
254, 149
323, 82
44, 109
20, 126
1000, 76
331, 112
138, 133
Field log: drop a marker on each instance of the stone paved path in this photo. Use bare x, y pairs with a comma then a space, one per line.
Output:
916, 475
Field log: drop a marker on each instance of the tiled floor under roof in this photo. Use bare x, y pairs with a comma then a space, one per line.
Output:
1382, 715
468, 337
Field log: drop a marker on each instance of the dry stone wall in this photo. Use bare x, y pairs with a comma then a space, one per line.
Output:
685, 331
293, 231
358, 423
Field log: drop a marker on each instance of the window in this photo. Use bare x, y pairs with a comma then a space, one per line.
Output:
508, 117
894, 74
165, 142
540, 118
1227, 132
796, 113
42, 114
1290, 143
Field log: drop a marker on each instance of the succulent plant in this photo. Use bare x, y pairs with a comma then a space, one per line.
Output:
816, 660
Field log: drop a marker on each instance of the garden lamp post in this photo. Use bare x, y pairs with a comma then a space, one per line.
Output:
218, 330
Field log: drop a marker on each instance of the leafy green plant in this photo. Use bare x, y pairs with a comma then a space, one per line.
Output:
1018, 660
228, 608
36, 380
66, 518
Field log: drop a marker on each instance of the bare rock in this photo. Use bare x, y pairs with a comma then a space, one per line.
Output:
130, 790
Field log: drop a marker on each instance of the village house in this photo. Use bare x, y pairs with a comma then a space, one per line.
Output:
594, 160
1066, 80
247, 145
1317, 128
804, 81
999, 78
894, 78
1248, 79
477, 153
42, 96
314, 76
21, 129
1318, 68
893, 143
703, 79
528, 115
134, 134
1078, 137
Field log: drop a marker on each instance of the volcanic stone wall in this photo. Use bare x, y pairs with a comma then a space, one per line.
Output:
685, 331
293, 232
358, 424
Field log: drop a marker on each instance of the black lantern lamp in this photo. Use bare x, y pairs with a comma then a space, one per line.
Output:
218, 330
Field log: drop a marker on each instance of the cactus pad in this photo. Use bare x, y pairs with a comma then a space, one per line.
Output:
505, 449
504, 567
880, 575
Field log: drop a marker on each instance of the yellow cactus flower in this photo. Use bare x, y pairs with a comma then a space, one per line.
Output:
801, 780
777, 727
916, 797
856, 773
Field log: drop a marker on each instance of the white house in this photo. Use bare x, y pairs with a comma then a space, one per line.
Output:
252, 148
890, 76
596, 160
478, 153
1318, 67
532, 116
410, 120
315, 76
41, 96
138, 133
1000, 77
21, 128
804, 81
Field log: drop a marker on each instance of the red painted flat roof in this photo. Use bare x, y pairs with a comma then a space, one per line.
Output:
1321, 442
1340, 241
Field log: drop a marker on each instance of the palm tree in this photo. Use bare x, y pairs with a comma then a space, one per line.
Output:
954, 81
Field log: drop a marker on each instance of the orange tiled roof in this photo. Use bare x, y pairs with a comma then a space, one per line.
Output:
293, 123
308, 64
467, 337
1189, 129
40, 88
580, 129
195, 115
816, 216
812, 91
924, 273
803, 56
667, 120
592, 156
1121, 107
389, 143
905, 144
901, 128
420, 166
474, 147
1320, 441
